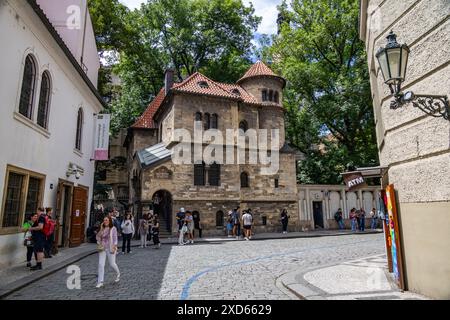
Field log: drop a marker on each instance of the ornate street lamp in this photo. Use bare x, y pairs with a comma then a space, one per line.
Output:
393, 60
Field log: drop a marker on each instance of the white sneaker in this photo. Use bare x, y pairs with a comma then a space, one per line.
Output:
99, 285
117, 278
249, 238
246, 238
192, 241
181, 244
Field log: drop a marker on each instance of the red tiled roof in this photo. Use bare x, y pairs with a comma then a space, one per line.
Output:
243, 94
200, 84
258, 69
145, 121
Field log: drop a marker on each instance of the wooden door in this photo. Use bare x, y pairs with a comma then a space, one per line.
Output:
78, 217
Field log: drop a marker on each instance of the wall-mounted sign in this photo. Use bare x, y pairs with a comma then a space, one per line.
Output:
101, 143
163, 173
354, 180
77, 213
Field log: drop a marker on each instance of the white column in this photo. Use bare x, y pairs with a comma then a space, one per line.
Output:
360, 197
344, 203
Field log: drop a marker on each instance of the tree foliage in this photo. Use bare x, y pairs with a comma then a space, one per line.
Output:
328, 98
210, 36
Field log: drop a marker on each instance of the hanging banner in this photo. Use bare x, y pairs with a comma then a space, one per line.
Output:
397, 263
354, 180
101, 143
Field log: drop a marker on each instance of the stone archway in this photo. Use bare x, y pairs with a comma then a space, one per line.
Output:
162, 205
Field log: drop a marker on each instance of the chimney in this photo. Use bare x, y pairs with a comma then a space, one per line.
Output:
168, 80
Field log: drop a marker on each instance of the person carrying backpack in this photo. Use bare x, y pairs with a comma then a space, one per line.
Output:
339, 219
49, 231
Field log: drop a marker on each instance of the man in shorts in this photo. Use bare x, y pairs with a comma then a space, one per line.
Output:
39, 239
247, 221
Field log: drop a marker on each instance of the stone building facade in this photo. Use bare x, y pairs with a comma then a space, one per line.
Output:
415, 147
213, 189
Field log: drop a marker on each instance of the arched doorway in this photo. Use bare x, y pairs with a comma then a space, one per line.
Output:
162, 205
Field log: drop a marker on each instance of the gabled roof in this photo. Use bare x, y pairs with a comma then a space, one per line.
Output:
145, 121
257, 70
200, 84
153, 155
243, 94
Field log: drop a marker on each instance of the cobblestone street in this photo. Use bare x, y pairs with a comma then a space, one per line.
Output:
223, 270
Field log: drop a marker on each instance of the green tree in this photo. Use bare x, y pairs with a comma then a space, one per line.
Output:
328, 98
210, 36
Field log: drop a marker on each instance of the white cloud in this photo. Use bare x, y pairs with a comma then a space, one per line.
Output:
267, 9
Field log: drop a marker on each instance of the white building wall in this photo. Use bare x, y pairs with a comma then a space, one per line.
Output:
22, 143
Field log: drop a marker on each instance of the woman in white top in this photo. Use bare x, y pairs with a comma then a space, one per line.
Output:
127, 232
107, 245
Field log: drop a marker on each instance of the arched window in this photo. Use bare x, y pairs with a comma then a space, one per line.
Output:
199, 174
271, 95
219, 219
214, 121
236, 92
264, 95
44, 100
243, 125
214, 174
276, 97
206, 122
28, 87
198, 116
79, 130
244, 180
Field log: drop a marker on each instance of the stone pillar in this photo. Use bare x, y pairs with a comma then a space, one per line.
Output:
344, 203
360, 199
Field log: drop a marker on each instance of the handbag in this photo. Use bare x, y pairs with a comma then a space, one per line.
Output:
184, 229
100, 247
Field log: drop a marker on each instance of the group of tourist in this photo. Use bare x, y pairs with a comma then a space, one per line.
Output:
39, 236
357, 219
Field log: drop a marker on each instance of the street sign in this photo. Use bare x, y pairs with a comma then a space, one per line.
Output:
354, 180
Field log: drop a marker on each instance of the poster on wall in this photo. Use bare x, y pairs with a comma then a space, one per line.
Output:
101, 143
394, 234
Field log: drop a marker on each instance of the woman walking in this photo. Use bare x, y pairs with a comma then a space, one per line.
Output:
155, 231
107, 246
190, 225
284, 220
127, 233
143, 230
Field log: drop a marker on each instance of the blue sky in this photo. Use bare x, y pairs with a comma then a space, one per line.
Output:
267, 9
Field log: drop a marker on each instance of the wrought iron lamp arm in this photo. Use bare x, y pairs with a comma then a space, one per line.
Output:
433, 105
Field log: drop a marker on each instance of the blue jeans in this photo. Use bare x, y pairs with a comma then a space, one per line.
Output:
363, 224
341, 224
374, 223
354, 224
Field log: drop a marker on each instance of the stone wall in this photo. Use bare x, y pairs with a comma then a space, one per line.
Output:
414, 146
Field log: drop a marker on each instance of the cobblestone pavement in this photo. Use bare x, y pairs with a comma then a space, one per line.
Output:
224, 270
